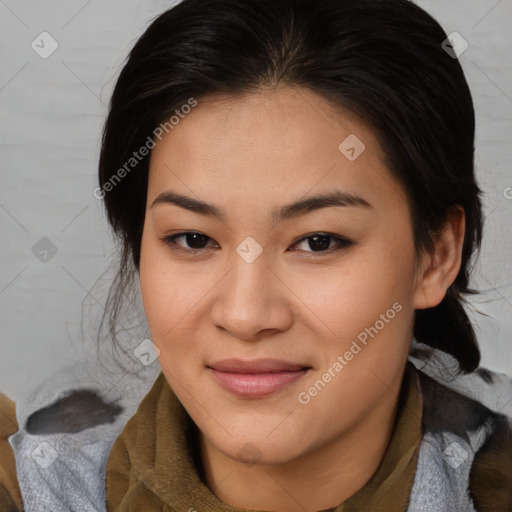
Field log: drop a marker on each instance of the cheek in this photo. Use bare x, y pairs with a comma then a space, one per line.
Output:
171, 295
352, 295
368, 308
160, 290
337, 301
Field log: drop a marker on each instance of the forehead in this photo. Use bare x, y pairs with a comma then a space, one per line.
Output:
269, 144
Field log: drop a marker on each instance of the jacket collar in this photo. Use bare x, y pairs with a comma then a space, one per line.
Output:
161, 454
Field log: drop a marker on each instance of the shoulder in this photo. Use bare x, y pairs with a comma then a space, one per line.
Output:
77, 410
446, 408
66, 425
491, 474
10, 495
28, 449
124, 446
472, 437
133, 449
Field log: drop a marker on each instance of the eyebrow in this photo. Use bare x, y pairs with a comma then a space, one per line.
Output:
300, 207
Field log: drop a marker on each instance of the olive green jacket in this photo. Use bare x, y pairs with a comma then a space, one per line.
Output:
447, 452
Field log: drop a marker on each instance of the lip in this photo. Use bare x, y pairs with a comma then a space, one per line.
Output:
256, 378
266, 365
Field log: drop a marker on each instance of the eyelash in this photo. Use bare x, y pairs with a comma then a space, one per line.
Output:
343, 243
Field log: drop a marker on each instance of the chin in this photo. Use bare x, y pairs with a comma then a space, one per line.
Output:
258, 449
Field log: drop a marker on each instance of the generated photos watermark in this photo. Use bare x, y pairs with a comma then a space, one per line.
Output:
144, 150
304, 397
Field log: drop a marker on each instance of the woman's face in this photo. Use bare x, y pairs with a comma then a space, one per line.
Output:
276, 341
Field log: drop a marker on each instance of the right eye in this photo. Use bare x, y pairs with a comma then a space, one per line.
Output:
194, 239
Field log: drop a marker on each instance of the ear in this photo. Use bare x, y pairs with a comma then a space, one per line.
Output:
439, 269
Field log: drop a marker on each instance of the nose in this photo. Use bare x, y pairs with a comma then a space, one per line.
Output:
252, 301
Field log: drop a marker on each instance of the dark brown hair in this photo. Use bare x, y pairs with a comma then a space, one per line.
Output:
381, 59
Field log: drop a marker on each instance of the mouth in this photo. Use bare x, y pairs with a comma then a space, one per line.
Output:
256, 378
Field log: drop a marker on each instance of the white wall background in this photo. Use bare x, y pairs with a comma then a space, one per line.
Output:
51, 115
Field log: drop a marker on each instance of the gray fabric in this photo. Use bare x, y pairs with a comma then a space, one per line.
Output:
75, 480
66, 472
445, 458
496, 395
442, 473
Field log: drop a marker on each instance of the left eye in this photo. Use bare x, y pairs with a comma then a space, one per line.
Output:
191, 237
318, 242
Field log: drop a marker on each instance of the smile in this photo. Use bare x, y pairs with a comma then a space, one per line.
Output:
253, 379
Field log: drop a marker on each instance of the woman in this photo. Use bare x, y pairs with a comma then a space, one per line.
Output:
292, 183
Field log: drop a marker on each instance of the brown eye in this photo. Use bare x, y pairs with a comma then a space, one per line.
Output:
194, 240
321, 243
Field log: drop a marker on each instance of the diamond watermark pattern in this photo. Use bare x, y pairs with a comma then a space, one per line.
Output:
352, 147
44, 45
250, 454
45, 455
44, 250
455, 45
249, 249
455, 455
146, 352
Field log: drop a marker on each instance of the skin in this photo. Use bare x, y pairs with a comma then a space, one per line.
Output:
249, 155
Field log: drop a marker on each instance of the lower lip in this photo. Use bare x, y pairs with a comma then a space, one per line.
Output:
256, 384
